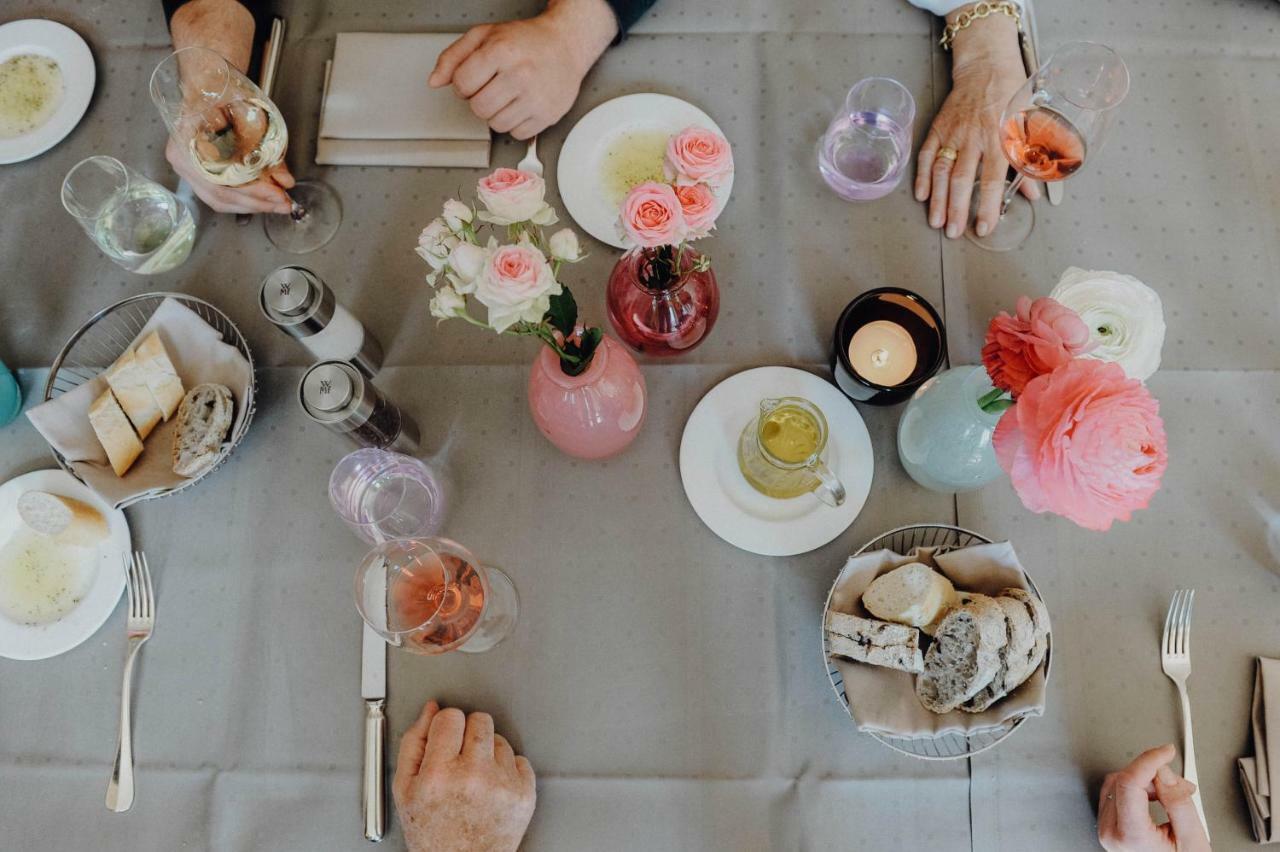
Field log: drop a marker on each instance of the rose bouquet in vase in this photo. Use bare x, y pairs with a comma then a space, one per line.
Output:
586, 393
1059, 404
662, 296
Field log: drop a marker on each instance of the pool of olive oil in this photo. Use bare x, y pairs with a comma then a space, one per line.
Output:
631, 159
41, 580
30, 90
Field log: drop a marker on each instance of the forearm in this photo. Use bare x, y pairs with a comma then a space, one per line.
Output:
224, 26
592, 25
986, 40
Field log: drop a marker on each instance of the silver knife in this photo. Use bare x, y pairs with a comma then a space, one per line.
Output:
373, 688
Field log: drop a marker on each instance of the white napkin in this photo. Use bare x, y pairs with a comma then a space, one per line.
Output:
883, 700
199, 356
1255, 772
378, 110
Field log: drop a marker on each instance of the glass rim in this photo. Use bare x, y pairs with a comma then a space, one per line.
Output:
911, 100
339, 507
1091, 44
161, 104
96, 158
432, 543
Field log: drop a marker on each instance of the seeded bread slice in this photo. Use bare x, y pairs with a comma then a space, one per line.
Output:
1015, 656
1040, 618
879, 643
965, 654
204, 418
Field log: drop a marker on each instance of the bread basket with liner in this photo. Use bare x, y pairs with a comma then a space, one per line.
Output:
105, 337
945, 745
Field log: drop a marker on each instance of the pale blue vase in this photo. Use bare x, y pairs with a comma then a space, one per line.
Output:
10, 395
944, 438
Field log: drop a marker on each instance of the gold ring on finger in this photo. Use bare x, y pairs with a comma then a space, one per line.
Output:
948, 153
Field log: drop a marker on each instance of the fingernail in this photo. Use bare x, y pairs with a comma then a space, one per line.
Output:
935, 221
981, 229
953, 231
920, 195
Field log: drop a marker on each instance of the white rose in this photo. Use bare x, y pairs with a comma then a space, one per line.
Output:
1125, 318
447, 304
435, 242
465, 263
564, 245
456, 214
511, 196
516, 285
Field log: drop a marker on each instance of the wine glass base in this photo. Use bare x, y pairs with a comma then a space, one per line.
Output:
1011, 230
313, 230
501, 613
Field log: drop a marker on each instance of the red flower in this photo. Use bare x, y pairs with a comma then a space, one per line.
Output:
1042, 336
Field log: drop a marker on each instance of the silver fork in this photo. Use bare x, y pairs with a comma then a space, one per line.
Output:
531, 163
142, 619
1175, 659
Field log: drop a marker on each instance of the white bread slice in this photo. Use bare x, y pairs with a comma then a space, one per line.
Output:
204, 419
64, 518
965, 654
912, 594
879, 643
159, 374
1015, 657
130, 387
114, 432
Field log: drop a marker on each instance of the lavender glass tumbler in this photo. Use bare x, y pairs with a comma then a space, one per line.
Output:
383, 495
867, 146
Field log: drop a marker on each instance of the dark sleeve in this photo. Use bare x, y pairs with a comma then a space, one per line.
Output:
262, 15
628, 12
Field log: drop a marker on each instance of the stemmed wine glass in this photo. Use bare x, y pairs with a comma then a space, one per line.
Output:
235, 134
1053, 122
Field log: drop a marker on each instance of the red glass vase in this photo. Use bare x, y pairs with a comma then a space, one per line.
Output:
658, 309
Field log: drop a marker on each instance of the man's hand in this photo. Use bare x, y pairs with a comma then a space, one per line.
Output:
987, 69
1124, 813
523, 76
265, 195
459, 787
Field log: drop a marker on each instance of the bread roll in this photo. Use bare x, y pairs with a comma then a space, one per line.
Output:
64, 518
204, 419
913, 594
964, 656
865, 640
130, 387
114, 432
158, 372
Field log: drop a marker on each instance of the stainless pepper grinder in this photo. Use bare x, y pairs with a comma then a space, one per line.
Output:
339, 397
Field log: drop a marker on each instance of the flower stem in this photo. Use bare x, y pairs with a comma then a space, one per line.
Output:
989, 397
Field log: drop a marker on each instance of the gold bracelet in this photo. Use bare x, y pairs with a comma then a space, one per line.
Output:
979, 11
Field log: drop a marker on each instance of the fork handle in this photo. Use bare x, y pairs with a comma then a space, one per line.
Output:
120, 788
1189, 756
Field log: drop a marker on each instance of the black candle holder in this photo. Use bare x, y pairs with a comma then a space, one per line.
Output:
907, 309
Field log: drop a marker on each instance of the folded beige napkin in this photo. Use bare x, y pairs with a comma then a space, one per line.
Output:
1255, 772
884, 700
378, 110
199, 356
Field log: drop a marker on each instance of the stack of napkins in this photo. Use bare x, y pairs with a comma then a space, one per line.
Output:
1255, 772
379, 111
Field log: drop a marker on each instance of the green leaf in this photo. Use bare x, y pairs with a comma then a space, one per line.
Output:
563, 313
998, 406
582, 350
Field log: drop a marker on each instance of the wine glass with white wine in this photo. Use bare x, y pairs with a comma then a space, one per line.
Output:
235, 135
1052, 123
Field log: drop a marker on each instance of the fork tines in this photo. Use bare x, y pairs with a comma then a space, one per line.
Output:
1177, 624
141, 592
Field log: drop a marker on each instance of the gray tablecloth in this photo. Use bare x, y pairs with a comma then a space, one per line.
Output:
668, 688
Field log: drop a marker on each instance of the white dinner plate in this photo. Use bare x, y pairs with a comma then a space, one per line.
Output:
36, 642
724, 499
64, 46
580, 170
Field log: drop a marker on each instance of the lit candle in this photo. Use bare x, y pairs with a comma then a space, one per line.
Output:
883, 352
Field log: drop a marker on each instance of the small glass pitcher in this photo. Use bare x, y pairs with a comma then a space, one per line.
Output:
780, 452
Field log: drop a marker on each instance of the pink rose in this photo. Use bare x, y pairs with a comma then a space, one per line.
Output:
511, 196
516, 285
698, 204
1043, 336
1084, 442
698, 155
652, 216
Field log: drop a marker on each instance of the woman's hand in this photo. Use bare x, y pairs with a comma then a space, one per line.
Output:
264, 195
1124, 813
986, 71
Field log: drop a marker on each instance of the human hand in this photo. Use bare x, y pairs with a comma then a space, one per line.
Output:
523, 76
986, 71
264, 195
459, 787
1124, 815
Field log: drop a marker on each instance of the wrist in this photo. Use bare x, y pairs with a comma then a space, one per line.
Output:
588, 28
988, 40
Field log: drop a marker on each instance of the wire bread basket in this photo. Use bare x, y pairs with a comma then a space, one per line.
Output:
949, 746
106, 335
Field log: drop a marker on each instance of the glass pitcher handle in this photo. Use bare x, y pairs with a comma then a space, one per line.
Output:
830, 489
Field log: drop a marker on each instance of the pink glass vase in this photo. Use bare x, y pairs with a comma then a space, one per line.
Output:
661, 318
594, 415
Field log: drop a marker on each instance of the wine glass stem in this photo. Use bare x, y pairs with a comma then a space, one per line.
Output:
1011, 191
296, 210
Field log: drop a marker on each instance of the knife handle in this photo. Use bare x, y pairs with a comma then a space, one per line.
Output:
375, 786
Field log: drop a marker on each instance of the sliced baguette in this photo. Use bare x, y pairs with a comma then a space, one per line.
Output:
204, 419
879, 643
1040, 618
965, 654
130, 387
1015, 656
64, 518
159, 374
912, 594
114, 432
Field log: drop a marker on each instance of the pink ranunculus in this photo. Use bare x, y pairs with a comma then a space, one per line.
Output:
1041, 337
1085, 442
698, 155
511, 196
516, 285
698, 204
652, 216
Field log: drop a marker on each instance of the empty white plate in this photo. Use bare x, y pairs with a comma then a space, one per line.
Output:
64, 46
727, 503
101, 566
630, 127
